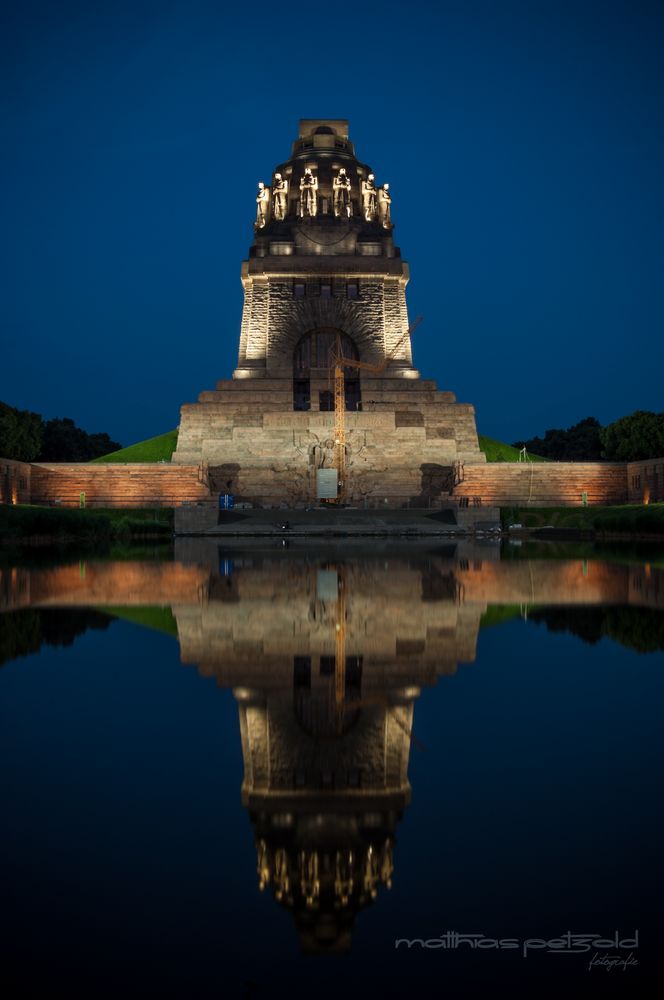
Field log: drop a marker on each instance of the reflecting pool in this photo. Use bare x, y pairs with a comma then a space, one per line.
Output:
381, 768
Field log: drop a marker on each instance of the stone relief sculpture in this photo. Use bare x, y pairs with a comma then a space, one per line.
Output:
308, 199
369, 198
279, 197
262, 205
341, 194
384, 206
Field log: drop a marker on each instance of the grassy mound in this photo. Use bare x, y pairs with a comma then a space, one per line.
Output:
496, 614
496, 451
159, 618
156, 449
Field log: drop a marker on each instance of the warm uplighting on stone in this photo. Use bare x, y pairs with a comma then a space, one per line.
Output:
324, 266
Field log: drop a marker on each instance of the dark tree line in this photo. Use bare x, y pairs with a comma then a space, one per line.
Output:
581, 442
629, 439
27, 437
26, 631
641, 629
636, 437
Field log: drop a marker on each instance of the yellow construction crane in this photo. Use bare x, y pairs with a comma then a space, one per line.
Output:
340, 642
338, 362
338, 692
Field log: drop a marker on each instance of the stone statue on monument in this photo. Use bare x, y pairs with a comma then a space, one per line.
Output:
341, 194
262, 204
308, 189
369, 198
279, 197
384, 206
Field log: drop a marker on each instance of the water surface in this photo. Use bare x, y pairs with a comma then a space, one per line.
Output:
239, 770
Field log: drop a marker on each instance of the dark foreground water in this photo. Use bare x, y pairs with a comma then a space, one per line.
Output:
366, 771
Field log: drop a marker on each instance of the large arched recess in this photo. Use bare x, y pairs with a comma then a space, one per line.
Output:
311, 359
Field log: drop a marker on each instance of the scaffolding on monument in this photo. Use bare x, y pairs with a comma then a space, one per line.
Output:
338, 362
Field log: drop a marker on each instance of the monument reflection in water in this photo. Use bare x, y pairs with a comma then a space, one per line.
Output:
326, 653
325, 659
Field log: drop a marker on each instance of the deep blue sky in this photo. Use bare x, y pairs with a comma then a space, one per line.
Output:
134, 134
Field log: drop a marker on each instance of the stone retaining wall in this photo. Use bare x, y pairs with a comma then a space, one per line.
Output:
544, 484
645, 481
118, 485
14, 481
494, 484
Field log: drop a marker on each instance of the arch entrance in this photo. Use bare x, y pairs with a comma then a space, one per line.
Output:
312, 387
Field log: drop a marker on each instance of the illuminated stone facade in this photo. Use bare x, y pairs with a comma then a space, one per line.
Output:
323, 265
14, 481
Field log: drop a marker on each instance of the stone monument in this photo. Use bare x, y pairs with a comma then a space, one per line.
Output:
324, 271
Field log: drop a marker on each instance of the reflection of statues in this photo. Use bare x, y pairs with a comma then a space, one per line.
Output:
341, 194
281, 875
369, 198
279, 197
384, 203
262, 203
308, 189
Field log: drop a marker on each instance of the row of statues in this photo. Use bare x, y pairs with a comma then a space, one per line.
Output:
345, 870
376, 202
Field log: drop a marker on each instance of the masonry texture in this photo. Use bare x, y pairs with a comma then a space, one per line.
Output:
544, 484
15, 481
145, 484
332, 271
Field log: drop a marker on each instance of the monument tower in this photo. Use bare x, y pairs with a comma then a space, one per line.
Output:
324, 271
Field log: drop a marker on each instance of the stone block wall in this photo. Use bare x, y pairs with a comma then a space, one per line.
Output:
15, 480
401, 447
273, 320
271, 458
645, 481
544, 484
118, 485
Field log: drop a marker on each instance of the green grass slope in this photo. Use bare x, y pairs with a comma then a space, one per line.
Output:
159, 618
496, 451
156, 449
